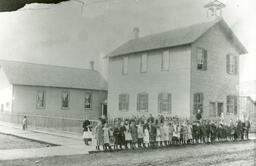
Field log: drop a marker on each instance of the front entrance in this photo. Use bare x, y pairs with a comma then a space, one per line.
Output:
105, 110
220, 108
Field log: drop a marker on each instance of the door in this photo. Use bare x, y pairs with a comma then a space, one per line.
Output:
105, 110
220, 109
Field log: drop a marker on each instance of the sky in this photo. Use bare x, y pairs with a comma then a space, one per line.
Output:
73, 34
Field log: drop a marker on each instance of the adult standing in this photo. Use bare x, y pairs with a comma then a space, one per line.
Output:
99, 135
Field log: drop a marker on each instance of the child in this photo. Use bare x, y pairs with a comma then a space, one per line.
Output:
128, 136
134, 134
166, 133
24, 123
140, 134
170, 133
106, 137
158, 135
116, 134
146, 137
111, 137
87, 134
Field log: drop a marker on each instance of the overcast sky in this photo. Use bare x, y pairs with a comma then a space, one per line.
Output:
70, 34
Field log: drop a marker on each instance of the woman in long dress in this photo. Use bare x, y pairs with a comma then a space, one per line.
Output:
146, 137
106, 139
99, 135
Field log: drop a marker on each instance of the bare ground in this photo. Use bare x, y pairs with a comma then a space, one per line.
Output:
238, 153
12, 142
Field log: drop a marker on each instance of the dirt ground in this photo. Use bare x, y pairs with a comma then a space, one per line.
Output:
11, 142
239, 153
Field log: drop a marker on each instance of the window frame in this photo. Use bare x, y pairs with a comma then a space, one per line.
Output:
91, 102
162, 101
68, 93
139, 100
203, 60
200, 104
146, 63
232, 64
233, 106
37, 104
162, 60
125, 104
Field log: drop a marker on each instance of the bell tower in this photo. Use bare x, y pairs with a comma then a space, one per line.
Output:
214, 9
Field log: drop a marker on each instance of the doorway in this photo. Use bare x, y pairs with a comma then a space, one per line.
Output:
105, 110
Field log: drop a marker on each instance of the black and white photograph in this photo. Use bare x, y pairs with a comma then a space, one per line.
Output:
127, 83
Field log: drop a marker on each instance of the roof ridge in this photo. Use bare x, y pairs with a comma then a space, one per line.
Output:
179, 28
49, 65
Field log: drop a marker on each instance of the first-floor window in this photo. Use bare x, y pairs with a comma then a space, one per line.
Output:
65, 100
232, 104
198, 102
123, 102
164, 101
88, 100
40, 99
142, 102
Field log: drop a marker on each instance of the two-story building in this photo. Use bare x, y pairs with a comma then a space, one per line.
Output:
177, 72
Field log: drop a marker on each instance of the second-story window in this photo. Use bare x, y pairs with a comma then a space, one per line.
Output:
232, 64
65, 100
201, 59
125, 66
144, 63
165, 60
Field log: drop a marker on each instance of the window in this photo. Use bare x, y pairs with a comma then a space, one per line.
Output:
212, 109
88, 100
198, 102
142, 102
65, 100
40, 99
123, 102
232, 64
144, 63
125, 66
201, 59
231, 104
164, 102
165, 60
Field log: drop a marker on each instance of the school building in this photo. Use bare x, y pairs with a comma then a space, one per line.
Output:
177, 73
50, 96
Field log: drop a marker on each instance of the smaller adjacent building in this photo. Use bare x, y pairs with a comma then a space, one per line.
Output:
247, 110
51, 96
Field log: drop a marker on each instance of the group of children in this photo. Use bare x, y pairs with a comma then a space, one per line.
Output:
165, 131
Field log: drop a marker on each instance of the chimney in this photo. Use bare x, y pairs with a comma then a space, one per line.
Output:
136, 33
92, 65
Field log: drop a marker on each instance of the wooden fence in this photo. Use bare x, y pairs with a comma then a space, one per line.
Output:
50, 122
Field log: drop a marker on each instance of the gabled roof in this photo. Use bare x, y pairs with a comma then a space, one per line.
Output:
176, 37
22, 73
215, 3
